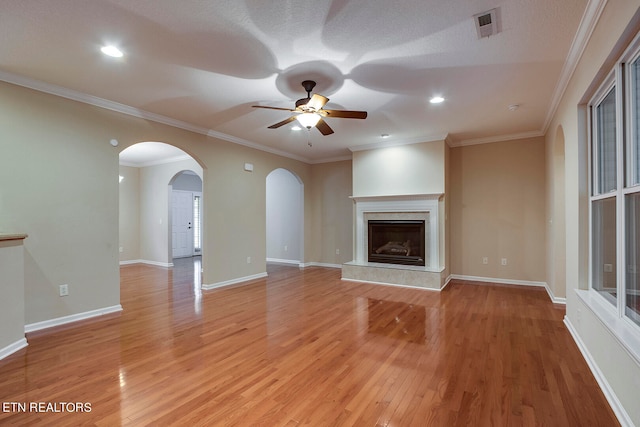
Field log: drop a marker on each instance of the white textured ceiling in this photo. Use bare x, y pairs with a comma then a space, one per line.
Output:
203, 64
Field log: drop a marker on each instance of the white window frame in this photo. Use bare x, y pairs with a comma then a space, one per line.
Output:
614, 316
602, 93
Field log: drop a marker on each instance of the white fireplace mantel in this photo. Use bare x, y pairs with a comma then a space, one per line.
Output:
414, 203
397, 198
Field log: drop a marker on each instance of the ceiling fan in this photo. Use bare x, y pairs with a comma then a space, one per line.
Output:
309, 111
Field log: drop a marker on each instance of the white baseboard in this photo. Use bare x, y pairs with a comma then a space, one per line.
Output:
616, 406
13, 347
544, 285
144, 261
446, 281
555, 299
233, 281
32, 327
284, 261
320, 264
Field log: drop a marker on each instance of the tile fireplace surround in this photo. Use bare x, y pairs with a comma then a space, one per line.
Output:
406, 207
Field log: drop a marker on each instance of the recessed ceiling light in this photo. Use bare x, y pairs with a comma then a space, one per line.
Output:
436, 100
513, 107
111, 51
384, 135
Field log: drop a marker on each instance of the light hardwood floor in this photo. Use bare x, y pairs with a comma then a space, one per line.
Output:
302, 347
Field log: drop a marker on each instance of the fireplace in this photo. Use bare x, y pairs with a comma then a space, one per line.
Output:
396, 241
416, 263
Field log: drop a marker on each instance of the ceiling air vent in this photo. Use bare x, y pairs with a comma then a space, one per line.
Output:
487, 23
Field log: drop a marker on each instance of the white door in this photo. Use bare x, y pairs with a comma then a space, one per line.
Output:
182, 223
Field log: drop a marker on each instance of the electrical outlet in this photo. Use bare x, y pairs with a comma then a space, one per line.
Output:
485, 260
337, 251
608, 268
121, 249
248, 260
504, 261
64, 290
286, 248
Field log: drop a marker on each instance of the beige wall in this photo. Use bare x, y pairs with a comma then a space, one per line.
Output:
332, 213
617, 370
59, 179
498, 210
234, 204
12, 302
445, 212
129, 210
67, 198
555, 215
407, 169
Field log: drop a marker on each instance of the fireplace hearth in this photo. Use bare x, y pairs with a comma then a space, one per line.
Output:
396, 242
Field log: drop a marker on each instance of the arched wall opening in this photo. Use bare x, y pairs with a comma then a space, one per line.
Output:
185, 214
284, 217
148, 171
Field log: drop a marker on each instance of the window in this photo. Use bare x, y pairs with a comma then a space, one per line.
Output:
632, 284
615, 190
197, 234
605, 143
603, 231
633, 166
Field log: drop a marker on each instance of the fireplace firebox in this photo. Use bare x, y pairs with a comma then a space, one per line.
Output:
397, 242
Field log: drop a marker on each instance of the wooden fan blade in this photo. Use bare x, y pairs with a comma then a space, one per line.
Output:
324, 128
345, 114
316, 102
273, 108
282, 123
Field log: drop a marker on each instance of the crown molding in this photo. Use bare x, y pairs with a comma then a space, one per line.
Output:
95, 101
585, 30
490, 139
330, 160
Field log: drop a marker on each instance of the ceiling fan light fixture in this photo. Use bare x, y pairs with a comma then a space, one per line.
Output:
308, 120
309, 111
436, 100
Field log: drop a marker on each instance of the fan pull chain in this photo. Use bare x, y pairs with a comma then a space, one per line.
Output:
309, 137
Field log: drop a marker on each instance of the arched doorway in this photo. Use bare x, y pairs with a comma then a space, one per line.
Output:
284, 217
148, 170
185, 214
